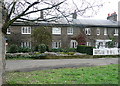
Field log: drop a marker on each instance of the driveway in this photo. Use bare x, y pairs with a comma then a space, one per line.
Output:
31, 65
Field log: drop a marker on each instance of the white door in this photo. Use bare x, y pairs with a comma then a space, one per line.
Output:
73, 44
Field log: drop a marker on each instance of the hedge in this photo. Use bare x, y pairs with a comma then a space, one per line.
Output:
85, 49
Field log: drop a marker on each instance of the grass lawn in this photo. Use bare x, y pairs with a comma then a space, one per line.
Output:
86, 75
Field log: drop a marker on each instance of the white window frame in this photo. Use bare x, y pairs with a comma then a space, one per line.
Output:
88, 43
25, 30
26, 44
101, 43
56, 30
98, 31
70, 31
8, 31
105, 31
116, 32
56, 44
116, 44
88, 31
73, 44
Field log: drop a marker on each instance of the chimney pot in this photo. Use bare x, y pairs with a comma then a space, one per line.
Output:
109, 14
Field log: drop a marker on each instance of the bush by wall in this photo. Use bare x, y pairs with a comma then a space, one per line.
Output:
42, 48
25, 56
85, 49
13, 49
57, 50
44, 56
24, 49
63, 50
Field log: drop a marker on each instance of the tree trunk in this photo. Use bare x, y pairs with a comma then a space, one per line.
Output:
2, 58
119, 24
2, 49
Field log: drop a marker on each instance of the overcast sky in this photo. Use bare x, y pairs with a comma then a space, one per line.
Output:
109, 7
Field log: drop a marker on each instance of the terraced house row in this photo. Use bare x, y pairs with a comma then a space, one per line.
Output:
96, 33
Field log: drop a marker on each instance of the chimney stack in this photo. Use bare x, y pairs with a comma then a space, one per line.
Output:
41, 15
112, 16
74, 16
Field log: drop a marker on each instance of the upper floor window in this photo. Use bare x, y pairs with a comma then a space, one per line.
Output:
26, 30
116, 32
56, 30
98, 31
70, 31
87, 31
8, 31
105, 31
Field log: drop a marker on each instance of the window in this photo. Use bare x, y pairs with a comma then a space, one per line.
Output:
8, 31
102, 43
105, 31
56, 44
88, 43
56, 30
98, 31
70, 31
26, 44
26, 30
73, 44
116, 44
87, 31
116, 32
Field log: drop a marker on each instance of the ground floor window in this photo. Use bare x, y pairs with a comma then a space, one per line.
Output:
26, 44
88, 43
56, 44
102, 43
73, 44
116, 44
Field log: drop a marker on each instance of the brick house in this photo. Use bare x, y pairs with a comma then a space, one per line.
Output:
97, 32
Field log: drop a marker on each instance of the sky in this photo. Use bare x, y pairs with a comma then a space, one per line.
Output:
110, 6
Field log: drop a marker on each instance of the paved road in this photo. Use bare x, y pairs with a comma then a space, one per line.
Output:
30, 65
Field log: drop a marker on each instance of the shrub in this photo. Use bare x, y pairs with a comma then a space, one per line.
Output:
57, 50
13, 49
18, 56
47, 48
42, 48
71, 53
36, 48
71, 50
24, 49
85, 49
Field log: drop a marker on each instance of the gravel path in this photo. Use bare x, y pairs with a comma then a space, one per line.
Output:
31, 65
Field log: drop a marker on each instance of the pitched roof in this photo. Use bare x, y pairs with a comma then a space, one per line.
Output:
76, 22
95, 22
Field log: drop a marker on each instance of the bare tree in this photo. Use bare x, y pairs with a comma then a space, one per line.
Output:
30, 10
52, 10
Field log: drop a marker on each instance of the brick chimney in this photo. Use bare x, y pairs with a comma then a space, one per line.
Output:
112, 16
74, 15
41, 15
